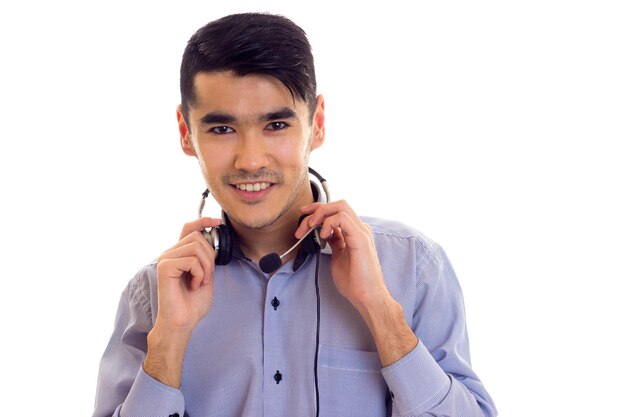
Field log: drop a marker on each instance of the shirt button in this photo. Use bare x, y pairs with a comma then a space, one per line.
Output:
278, 377
275, 303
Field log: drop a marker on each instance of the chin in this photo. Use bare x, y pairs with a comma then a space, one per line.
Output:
252, 217
252, 223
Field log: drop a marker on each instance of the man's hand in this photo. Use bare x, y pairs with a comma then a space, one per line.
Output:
354, 266
358, 276
185, 295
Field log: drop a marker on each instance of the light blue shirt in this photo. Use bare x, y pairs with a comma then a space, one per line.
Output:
253, 354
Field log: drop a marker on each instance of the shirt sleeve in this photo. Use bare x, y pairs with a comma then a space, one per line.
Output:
124, 389
436, 377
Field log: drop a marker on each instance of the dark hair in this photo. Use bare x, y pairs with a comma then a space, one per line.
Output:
250, 43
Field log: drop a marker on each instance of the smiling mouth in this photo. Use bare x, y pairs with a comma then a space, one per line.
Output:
253, 187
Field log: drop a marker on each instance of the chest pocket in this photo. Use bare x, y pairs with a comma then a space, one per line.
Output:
351, 383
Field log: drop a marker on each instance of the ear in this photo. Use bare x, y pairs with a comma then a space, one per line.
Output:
183, 130
319, 128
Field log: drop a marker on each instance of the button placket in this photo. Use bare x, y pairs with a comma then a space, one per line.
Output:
283, 306
274, 342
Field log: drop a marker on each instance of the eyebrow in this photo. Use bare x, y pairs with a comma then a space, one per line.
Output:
212, 118
217, 118
284, 113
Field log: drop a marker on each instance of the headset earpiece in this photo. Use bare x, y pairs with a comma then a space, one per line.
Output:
225, 252
319, 242
221, 239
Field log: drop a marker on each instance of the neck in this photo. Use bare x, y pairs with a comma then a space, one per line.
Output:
275, 238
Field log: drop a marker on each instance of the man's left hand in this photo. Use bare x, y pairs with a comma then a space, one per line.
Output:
355, 267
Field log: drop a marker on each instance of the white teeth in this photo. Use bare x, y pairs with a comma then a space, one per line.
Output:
257, 186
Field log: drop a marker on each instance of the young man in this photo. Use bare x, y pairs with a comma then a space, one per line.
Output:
372, 327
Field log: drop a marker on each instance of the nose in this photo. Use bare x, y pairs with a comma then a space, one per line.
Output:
251, 152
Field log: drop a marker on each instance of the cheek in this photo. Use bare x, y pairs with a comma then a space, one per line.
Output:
212, 165
297, 151
291, 156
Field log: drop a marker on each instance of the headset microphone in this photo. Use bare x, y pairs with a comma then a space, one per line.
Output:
272, 261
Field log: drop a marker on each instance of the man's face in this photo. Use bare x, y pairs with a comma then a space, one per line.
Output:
253, 140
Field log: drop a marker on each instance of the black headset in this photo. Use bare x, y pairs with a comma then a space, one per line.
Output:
222, 237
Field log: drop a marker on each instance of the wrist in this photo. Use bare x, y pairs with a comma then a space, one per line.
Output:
378, 312
166, 354
390, 330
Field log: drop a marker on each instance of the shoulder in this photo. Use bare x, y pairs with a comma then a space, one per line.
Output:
409, 260
397, 243
395, 234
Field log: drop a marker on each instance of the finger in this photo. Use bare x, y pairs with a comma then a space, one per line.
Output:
324, 210
329, 209
310, 208
199, 225
318, 211
194, 237
349, 232
198, 248
188, 269
336, 240
304, 227
198, 275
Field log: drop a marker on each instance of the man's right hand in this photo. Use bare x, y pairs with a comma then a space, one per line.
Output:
185, 295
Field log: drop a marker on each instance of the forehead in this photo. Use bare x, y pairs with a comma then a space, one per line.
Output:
250, 94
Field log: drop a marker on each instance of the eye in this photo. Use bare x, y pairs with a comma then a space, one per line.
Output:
221, 130
277, 126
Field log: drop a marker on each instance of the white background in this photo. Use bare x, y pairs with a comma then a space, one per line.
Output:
494, 127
